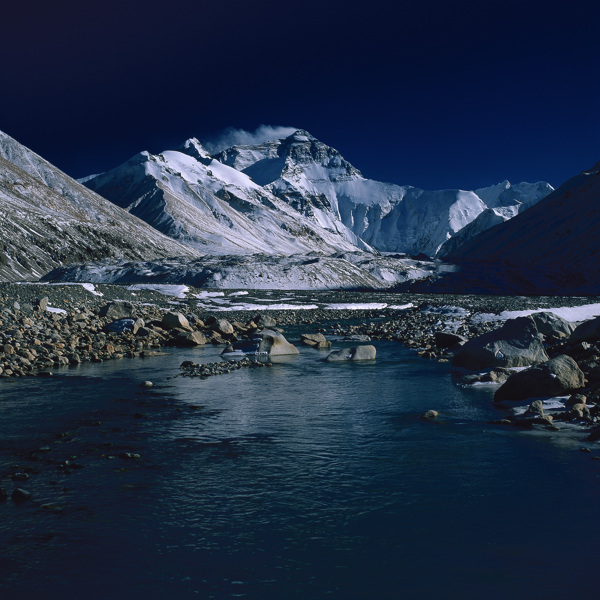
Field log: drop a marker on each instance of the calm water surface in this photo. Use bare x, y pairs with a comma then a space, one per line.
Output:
305, 480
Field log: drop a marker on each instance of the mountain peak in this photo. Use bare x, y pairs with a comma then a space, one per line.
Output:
301, 135
195, 149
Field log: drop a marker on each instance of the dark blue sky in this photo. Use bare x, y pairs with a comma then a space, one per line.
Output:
430, 93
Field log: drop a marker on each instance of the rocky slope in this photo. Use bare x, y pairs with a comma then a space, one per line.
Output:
258, 271
48, 220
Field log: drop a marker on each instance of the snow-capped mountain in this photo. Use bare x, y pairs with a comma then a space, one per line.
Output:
293, 195
319, 183
48, 219
550, 248
209, 205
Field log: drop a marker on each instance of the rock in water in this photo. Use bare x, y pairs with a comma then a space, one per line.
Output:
430, 415
367, 352
444, 339
315, 340
274, 344
516, 344
555, 377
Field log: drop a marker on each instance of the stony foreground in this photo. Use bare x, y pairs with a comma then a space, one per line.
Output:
45, 327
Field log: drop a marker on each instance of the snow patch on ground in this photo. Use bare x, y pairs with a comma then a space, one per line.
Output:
356, 306
259, 307
569, 313
177, 291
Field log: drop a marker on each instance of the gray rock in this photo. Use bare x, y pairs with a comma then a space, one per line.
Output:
430, 415
41, 304
190, 338
366, 352
536, 408
444, 339
588, 331
116, 310
576, 399
222, 326
555, 377
175, 320
552, 326
516, 344
274, 344
315, 340
265, 321
498, 375
579, 411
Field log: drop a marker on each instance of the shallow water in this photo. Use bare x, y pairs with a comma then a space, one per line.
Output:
304, 480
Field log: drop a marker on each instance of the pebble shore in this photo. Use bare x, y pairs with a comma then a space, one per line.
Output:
44, 327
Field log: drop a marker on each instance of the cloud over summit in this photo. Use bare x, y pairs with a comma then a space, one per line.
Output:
241, 137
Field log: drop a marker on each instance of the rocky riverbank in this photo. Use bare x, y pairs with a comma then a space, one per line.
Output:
46, 327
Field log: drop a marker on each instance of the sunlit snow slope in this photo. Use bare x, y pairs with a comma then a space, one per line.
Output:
294, 195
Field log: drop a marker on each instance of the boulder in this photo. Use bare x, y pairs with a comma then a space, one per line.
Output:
498, 375
516, 344
125, 324
552, 326
430, 415
175, 320
274, 344
588, 331
555, 377
444, 339
576, 399
190, 338
315, 340
366, 352
116, 310
40, 304
222, 327
265, 320
535, 409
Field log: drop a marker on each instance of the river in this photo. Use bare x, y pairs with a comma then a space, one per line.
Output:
304, 480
